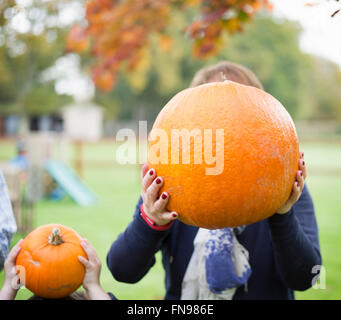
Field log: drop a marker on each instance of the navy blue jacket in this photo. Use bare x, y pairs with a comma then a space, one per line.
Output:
282, 252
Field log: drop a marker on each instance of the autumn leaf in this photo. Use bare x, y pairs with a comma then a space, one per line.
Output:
103, 78
165, 42
77, 40
312, 4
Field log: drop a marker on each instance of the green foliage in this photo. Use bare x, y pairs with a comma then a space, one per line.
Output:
271, 50
307, 86
324, 83
25, 55
21, 87
42, 99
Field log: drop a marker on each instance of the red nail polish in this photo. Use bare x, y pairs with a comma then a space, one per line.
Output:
158, 181
151, 172
301, 174
303, 163
174, 215
164, 196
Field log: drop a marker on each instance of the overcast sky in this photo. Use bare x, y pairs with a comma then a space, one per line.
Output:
322, 34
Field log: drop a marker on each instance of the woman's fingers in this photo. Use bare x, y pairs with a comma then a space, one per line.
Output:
302, 167
144, 170
153, 204
148, 179
153, 190
169, 216
296, 188
300, 179
296, 192
161, 203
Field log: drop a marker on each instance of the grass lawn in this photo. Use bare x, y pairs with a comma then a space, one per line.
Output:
118, 189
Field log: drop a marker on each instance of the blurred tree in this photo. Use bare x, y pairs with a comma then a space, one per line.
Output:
21, 83
31, 39
120, 31
307, 86
271, 49
324, 98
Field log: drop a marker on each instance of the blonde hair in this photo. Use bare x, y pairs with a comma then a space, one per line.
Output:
227, 71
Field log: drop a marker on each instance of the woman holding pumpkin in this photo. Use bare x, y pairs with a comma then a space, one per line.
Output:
265, 260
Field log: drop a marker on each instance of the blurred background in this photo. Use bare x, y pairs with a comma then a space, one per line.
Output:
60, 109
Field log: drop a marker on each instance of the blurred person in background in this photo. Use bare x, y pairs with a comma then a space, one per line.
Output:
21, 161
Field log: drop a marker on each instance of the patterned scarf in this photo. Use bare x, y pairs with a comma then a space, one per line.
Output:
218, 266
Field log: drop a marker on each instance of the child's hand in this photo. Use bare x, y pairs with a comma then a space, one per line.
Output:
153, 205
12, 281
92, 266
297, 187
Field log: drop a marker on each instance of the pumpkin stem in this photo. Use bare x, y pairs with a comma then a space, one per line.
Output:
223, 76
55, 238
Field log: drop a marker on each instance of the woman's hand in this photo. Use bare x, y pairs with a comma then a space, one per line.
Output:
297, 187
12, 281
154, 205
92, 266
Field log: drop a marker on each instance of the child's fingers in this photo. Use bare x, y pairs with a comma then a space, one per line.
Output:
84, 262
144, 170
14, 252
161, 203
169, 216
89, 250
153, 190
148, 179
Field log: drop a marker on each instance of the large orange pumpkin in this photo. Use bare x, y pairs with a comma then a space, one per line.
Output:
49, 258
259, 148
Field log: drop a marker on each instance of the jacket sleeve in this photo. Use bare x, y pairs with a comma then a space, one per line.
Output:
132, 253
296, 244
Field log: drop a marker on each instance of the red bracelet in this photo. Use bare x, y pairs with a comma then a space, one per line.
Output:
152, 223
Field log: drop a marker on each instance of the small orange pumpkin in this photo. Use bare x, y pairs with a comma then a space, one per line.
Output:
48, 261
258, 147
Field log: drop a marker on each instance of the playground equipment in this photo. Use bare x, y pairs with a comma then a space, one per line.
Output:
48, 153
68, 180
